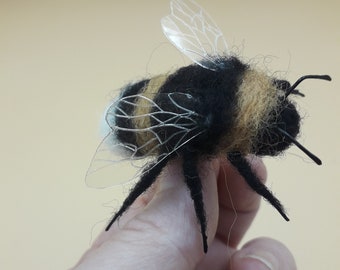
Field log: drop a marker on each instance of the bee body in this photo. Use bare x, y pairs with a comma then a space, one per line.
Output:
218, 106
234, 108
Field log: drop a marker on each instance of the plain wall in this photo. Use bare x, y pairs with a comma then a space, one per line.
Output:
60, 62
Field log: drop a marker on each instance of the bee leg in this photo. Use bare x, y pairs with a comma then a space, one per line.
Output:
147, 179
194, 184
244, 168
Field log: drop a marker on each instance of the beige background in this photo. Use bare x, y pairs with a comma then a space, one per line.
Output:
59, 62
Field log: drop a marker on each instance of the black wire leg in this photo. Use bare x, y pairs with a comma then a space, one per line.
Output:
148, 178
244, 168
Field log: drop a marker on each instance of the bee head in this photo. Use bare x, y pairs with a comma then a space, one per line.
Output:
271, 141
283, 124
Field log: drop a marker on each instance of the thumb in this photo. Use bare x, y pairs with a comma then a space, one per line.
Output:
263, 253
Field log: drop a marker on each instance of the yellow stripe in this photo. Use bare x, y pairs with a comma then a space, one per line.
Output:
257, 99
141, 118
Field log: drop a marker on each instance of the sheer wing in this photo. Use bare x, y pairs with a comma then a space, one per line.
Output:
194, 33
112, 156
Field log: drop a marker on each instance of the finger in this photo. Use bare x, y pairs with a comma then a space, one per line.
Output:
167, 227
238, 205
263, 253
132, 211
137, 207
238, 202
172, 201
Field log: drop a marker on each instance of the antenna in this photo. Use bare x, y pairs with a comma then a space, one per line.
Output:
320, 77
307, 152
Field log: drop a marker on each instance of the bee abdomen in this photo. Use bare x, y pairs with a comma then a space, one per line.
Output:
132, 115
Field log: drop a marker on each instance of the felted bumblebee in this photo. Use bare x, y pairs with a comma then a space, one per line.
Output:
218, 106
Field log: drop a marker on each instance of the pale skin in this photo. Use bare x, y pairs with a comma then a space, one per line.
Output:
160, 230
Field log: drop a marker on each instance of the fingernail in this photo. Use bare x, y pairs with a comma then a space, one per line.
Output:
262, 258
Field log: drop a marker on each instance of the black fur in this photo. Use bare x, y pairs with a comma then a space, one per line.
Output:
130, 90
270, 141
214, 95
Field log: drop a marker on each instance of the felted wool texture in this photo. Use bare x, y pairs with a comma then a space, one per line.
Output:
214, 99
124, 124
141, 117
257, 98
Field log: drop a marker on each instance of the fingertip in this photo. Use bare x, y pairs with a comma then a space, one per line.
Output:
263, 253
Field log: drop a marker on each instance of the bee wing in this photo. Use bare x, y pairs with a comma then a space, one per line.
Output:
194, 33
112, 156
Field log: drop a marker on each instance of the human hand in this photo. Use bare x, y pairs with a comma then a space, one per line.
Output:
160, 230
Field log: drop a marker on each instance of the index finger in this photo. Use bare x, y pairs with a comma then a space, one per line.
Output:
238, 203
